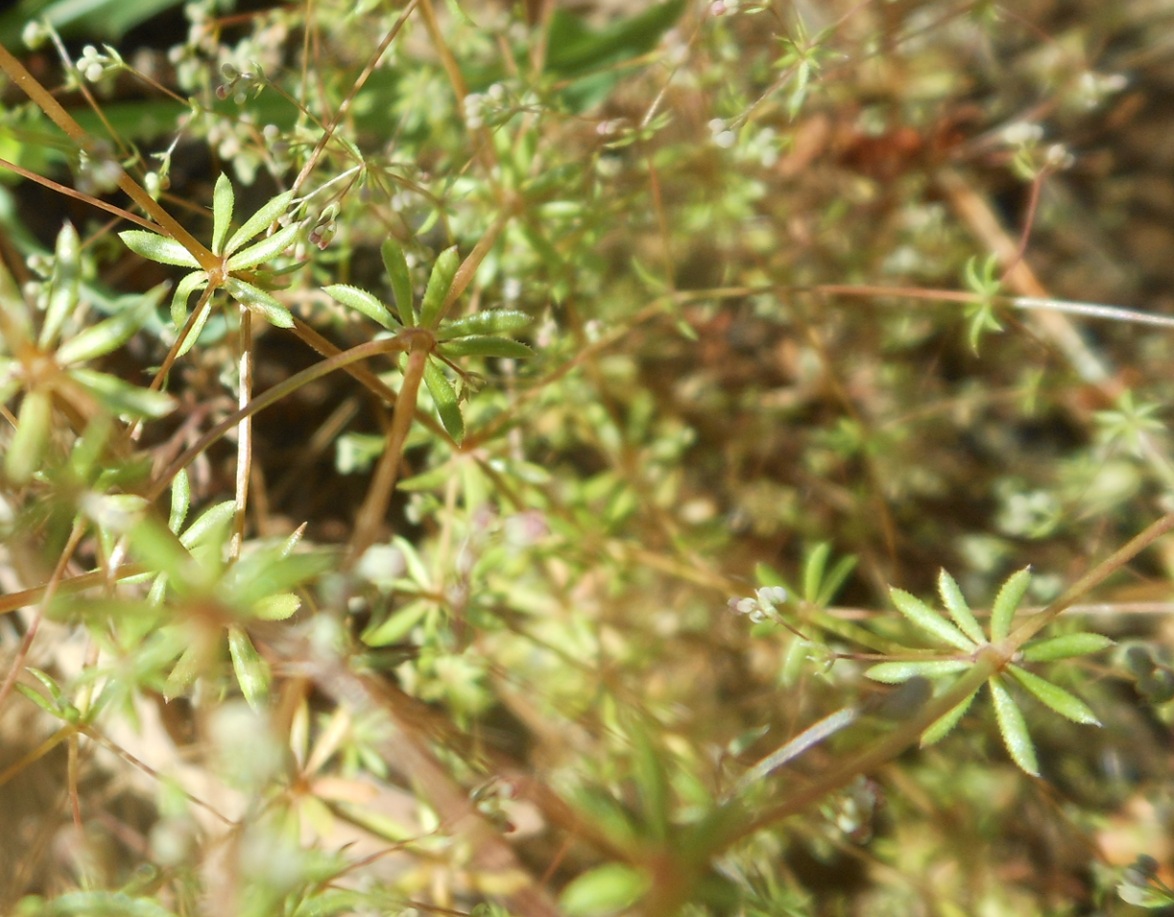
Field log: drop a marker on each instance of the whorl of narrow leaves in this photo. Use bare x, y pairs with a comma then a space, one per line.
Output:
965, 641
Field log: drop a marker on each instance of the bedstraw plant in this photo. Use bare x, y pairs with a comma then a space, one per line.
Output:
553, 543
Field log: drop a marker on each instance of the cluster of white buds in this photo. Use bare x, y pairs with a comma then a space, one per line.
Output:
763, 605
93, 65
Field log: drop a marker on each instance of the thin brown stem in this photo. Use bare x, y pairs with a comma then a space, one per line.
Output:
374, 507
267, 399
63, 119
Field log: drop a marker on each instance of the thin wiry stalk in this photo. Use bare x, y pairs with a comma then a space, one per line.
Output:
244, 433
374, 507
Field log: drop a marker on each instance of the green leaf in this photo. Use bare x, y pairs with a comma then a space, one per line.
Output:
257, 577
401, 281
363, 302
896, 672
196, 280
1007, 602
63, 296
445, 397
39, 699
483, 346
223, 201
155, 247
604, 890
123, 398
31, 438
1058, 699
928, 620
1014, 729
257, 300
652, 782
1065, 647
491, 321
210, 526
252, 672
259, 221
181, 500
265, 250
813, 570
944, 725
439, 283
278, 607
104, 337
397, 626
959, 610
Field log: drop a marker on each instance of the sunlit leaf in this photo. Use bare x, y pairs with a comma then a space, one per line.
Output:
223, 200
1065, 647
481, 346
252, 672
944, 725
439, 283
363, 302
401, 281
896, 672
959, 610
65, 285
31, 438
1013, 728
260, 302
104, 337
491, 321
210, 526
181, 500
265, 250
445, 398
259, 221
1062, 701
155, 247
121, 397
928, 620
603, 890
1007, 602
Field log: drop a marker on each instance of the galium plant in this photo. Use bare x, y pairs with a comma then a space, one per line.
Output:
488, 666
